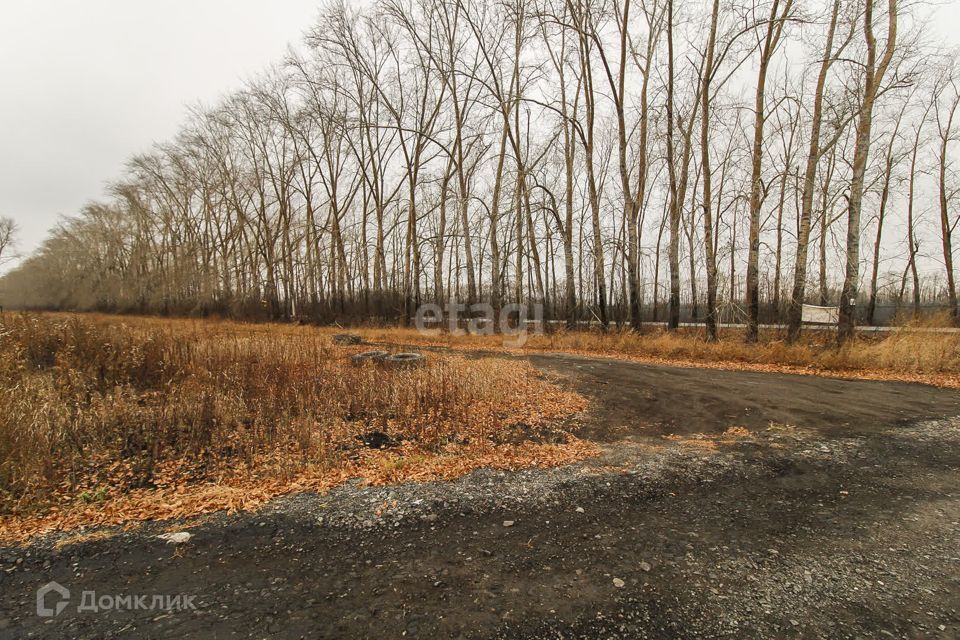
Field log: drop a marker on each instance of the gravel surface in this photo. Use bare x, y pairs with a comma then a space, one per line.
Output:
790, 532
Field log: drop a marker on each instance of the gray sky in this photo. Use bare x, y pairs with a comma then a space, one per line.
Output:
86, 84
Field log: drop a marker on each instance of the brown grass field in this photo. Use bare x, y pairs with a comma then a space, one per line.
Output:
114, 419
105, 420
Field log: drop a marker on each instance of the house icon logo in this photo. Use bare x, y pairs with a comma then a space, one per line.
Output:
59, 601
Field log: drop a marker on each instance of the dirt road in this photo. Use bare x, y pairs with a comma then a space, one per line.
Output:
838, 516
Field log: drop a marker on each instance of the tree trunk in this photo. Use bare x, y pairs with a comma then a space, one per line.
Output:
874, 76
794, 313
774, 30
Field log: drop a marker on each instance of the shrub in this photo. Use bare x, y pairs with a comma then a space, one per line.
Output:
87, 403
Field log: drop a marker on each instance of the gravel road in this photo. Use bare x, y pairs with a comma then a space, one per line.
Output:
812, 526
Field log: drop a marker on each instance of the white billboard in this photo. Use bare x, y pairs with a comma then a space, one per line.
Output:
813, 314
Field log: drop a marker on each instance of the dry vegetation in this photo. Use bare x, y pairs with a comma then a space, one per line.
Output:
105, 420
910, 353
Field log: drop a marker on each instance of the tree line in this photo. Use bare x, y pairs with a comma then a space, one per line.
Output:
612, 160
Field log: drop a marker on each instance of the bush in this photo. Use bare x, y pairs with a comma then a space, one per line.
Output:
87, 403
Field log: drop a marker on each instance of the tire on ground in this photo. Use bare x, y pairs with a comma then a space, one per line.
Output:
368, 357
346, 339
405, 360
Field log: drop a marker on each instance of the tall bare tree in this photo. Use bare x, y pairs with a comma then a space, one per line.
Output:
874, 73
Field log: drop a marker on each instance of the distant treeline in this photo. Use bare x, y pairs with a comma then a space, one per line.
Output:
611, 160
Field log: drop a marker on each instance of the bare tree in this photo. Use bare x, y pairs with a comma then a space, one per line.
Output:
946, 95
814, 153
874, 73
774, 30
587, 154
8, 237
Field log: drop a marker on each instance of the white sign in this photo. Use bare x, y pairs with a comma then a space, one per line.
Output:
820, 315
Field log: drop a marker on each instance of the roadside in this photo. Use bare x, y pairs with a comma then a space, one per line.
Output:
640, 400
780, 506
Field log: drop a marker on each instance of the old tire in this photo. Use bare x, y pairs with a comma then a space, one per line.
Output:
346, 339
376, 440
405, 360
368, 357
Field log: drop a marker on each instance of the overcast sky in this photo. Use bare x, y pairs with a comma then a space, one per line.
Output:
86, 84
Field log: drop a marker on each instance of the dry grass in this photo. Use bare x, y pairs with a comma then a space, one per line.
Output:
107, 420
711, 442
103, 420
909, 353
